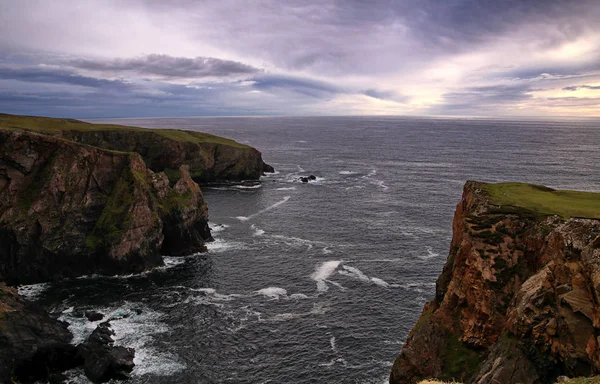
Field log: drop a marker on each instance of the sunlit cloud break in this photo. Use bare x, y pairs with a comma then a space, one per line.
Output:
189, 58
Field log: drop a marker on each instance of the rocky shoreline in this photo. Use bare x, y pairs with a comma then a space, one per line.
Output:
79, 199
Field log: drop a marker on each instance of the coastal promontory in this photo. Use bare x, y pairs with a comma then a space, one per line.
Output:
79, 198
518, 300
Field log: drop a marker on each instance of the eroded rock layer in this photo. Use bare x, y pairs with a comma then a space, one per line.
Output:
517, 301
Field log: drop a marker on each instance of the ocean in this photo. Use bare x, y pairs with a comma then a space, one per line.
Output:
318, 282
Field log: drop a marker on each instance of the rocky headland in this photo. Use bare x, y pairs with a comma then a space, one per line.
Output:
79, 199
209, 158
518, 300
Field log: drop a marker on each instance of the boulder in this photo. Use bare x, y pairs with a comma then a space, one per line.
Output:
94, 316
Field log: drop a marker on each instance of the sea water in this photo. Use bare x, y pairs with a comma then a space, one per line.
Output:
318, 282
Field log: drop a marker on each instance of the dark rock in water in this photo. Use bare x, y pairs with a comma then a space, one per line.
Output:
102, 360
33, 345
137, 311
267, 168
94, 316
306, 179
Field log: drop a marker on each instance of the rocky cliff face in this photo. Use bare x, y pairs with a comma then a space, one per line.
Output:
68, 209
517, 301
209, 158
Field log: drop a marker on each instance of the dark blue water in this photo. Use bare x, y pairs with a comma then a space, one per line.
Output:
320, 283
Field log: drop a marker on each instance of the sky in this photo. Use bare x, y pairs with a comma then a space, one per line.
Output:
138, 58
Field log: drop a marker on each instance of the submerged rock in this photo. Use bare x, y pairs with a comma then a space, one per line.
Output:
517, 300
306, 179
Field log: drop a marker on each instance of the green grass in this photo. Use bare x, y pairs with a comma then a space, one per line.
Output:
54, 126
537, 200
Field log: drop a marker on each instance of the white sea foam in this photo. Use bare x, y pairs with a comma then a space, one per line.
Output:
218, 227
340, 286
430, 254
332, 343
135, 326
379, 282
33, 291
256, 186
257, 231
171, 261
286, 189
380, 184
220, 245
354, 272
347, 173
272, 292
277, 204
322, 273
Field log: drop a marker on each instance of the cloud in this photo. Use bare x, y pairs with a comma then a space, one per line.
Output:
52, 75
577, 87
304, 56
167, 66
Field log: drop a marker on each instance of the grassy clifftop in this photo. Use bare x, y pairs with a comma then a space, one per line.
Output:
531, 199
210, 158
54, 126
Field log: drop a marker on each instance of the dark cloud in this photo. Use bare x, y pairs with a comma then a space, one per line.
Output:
308, 87
168, 66
52, 75
576, 87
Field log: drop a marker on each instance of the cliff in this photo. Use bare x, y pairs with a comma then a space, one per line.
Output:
68, 209
518, 298
210, 158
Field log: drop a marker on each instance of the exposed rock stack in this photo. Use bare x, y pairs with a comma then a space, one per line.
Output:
518, 300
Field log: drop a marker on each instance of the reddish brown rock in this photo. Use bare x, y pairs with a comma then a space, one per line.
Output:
68, 209
517, 301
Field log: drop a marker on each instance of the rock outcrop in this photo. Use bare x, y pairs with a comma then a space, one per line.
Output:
68, 209
518, 300
102, 360
209, 158
33, 346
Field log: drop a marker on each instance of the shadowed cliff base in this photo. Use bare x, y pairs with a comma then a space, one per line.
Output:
517, 301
